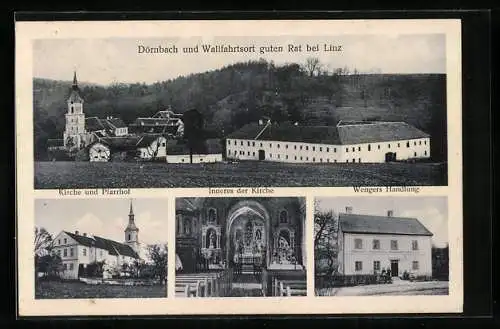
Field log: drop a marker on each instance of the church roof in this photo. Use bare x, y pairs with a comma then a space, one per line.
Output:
369, 224
109, 124
342, 134
74, 97
113, 247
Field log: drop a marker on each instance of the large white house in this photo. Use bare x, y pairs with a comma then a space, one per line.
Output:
367, 244
370, 142
77, 250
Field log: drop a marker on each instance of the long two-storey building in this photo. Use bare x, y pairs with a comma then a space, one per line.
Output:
368, 244
348, 142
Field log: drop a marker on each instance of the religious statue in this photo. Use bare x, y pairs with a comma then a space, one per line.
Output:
212, 240
258, 235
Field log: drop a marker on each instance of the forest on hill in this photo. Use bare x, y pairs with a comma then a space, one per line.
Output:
241, 93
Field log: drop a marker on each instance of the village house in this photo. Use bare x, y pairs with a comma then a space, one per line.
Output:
178, 152
348, 142
368, 244
77, 250
145, 147
165, 122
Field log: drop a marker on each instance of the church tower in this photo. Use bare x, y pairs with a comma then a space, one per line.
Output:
74, 134
132, 232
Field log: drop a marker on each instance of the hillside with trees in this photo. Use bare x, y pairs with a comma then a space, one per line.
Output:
240, 93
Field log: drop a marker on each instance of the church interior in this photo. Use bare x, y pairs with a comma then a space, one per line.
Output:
240, 246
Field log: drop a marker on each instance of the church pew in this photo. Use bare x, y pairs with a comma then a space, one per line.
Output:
290, 288
211, 284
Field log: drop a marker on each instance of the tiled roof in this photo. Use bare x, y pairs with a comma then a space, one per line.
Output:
288, 133
343, 134
147, 139
151, 122
354, 223
125, 143
117, 122
113, 247
211, 146
94, 124
378, 132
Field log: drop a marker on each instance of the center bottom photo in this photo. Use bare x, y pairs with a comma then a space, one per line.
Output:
240, 247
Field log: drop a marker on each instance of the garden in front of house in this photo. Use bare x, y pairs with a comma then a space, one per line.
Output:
65, 289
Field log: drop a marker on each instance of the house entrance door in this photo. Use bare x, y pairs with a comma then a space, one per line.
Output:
394, 267
390, 156
262, 155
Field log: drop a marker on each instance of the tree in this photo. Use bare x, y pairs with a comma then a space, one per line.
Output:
159, 258
312, 66
325, 240
43, 241
49, 264
193, 130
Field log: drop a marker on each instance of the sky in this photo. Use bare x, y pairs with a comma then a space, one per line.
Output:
106, 61
106, 218
432, 212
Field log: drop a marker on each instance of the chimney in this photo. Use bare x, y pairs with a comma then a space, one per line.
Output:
390, 213
76, 232
348, 210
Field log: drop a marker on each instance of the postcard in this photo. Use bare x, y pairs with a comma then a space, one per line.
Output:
174, 167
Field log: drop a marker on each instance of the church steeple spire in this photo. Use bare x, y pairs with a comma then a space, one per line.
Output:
75, 81
131, 231
131, 221
131, 213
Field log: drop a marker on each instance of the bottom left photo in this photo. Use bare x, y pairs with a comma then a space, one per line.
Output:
100, 248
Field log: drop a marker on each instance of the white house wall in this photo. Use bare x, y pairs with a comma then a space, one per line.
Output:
245, 149
197, 158
69, 261
405, 255
279, 151
147, 152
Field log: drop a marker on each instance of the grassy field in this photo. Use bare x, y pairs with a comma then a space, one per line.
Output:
74, 289
53, 175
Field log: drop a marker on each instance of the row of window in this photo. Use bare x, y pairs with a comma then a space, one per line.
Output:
72, 252
327, 149
300, 147
358, 244
278, 156
358, 265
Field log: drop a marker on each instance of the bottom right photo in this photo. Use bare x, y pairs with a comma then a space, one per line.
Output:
369, 246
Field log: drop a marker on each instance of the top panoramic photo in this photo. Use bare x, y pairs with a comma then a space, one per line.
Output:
346, 110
